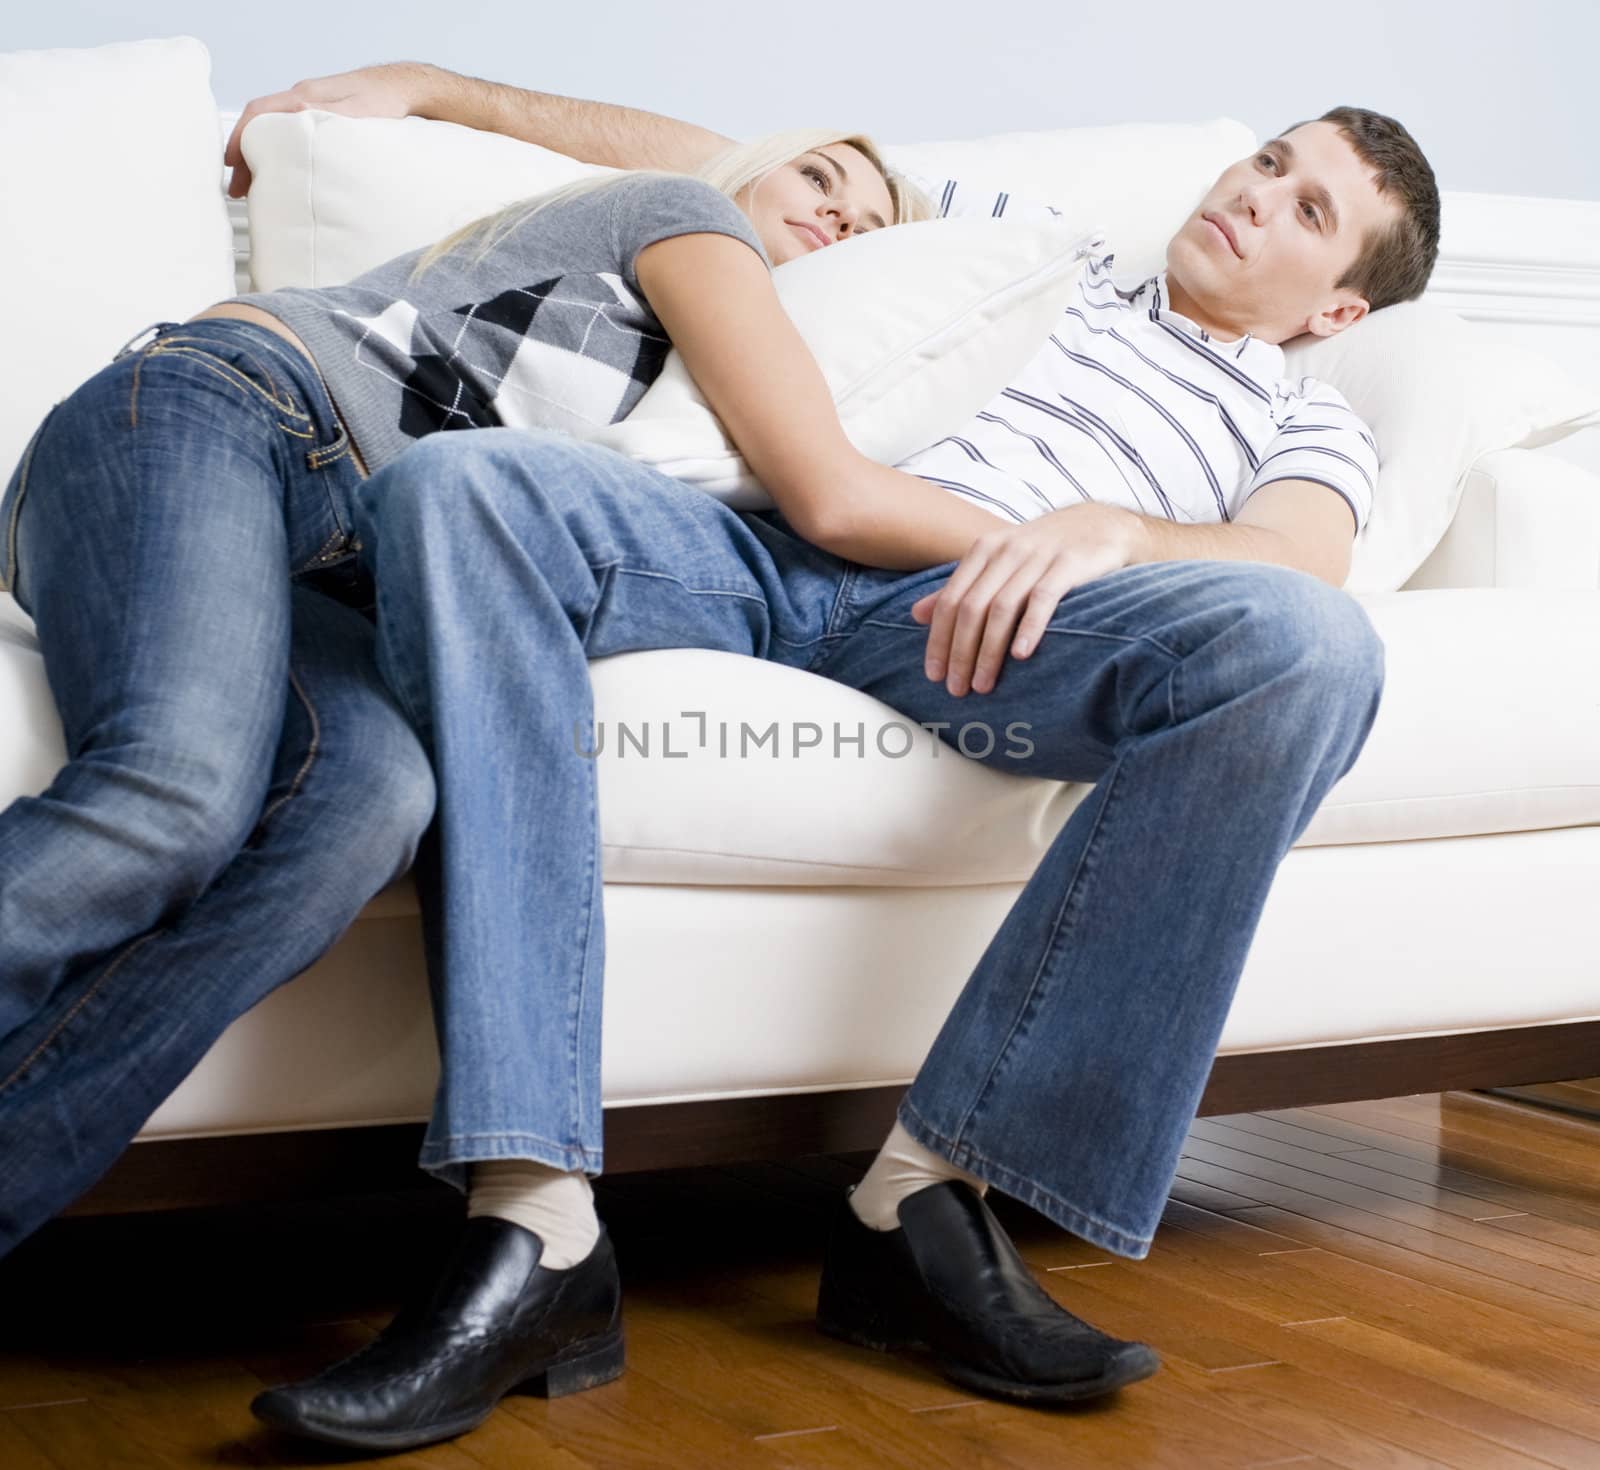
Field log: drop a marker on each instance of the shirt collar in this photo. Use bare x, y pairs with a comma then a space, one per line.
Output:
1264, 361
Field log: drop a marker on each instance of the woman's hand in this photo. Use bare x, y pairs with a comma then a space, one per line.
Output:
392, 90
1019, 572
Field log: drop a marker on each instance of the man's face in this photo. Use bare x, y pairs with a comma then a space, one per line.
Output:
1263, 249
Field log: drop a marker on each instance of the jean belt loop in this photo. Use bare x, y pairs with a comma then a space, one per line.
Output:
151, 331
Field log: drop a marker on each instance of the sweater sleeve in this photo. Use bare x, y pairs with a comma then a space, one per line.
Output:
656, 207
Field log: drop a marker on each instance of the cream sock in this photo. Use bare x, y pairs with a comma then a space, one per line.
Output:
557, 1206
903, 1166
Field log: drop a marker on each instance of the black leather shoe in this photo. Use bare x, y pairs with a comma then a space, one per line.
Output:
950, 1281
496, 1321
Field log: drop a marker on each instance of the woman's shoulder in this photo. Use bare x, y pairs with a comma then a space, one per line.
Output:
651, 207
676, 193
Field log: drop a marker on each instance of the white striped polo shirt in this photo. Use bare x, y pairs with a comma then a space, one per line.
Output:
1130, 403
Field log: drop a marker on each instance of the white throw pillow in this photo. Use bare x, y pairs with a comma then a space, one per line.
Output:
1437, 396
112, 174
334, 196
1135, 182
915, 329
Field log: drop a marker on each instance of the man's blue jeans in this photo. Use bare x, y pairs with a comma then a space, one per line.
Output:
207, 840
1212, 704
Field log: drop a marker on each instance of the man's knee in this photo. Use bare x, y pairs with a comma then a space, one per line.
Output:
399, 798
1320, 633
358, 812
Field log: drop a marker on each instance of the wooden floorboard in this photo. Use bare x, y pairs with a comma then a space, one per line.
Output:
1407, 1282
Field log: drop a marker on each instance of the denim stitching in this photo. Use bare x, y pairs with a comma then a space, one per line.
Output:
313, 749
841, 598
80, 1003
434, 1153
668, 577
332, 549
318, 459
177, 346
586, 927
471, 1140
10, 579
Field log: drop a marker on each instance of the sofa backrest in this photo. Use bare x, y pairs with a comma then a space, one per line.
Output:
114, 217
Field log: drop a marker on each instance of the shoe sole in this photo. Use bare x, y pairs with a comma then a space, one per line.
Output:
1131, 1367
599, 1362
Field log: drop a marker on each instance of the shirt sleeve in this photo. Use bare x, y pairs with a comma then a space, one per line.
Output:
1324, 440
974, 198
653, 208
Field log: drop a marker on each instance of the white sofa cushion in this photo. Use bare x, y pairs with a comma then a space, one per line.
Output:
111, 172
1526, 519
718, 992
1437, 396
1488, 724
1136, 182
334, 196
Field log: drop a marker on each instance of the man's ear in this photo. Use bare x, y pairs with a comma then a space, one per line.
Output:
1337, 319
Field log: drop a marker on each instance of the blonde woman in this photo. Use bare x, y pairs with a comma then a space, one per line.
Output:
170, 528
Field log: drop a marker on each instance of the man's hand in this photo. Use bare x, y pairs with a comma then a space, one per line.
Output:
392, 90
1019, 572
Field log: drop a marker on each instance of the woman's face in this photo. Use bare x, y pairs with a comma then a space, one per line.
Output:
816, 200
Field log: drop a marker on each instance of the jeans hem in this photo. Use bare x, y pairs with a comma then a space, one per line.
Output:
1054, 1207
450, 1159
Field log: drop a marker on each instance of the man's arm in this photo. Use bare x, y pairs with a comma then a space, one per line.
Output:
591, 132
1294, 523
1009, 583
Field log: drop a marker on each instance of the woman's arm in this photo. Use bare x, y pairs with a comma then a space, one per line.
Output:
591, 132
715, 298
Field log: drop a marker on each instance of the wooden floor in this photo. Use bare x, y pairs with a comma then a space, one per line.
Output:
1411, 1282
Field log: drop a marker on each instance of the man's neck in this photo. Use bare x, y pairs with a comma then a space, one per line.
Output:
1185, 305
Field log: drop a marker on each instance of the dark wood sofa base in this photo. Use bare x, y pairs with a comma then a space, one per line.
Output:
243, 1168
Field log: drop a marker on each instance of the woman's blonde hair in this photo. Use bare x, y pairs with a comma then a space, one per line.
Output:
729, 172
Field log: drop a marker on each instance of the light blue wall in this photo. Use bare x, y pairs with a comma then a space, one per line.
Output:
1504, 98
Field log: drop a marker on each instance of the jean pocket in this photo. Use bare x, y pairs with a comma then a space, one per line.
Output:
245, 367
11, 508
282, 382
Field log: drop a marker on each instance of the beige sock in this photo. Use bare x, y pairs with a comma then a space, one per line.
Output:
903, 1166
556, 1205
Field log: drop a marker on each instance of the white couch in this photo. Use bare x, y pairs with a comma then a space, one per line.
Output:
764, 916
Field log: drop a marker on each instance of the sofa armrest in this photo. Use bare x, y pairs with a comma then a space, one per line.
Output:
1525, 520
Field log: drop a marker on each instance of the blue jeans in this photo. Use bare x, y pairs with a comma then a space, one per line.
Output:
349, 795
205, 841
1212, 704
151, 522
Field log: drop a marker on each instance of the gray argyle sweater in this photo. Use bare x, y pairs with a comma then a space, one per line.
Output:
549, 330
